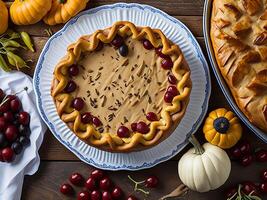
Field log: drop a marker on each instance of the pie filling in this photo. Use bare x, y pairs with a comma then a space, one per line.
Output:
123, 86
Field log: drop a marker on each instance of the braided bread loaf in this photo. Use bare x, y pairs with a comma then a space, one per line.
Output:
239, 38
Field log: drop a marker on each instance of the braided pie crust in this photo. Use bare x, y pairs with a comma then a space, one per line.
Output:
170, 114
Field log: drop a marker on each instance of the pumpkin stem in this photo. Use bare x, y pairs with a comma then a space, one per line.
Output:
62, 1
198, 148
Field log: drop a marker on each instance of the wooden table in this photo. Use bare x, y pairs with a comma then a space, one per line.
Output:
57, 163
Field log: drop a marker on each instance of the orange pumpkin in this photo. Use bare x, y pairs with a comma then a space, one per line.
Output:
3, 17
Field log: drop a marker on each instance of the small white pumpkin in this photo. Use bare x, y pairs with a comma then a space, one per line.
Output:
204, 168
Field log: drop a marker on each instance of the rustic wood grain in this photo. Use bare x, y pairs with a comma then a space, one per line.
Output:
51, 175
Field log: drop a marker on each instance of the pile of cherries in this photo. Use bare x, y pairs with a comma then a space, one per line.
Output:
244, 153
14, 127
248, 187
99, 187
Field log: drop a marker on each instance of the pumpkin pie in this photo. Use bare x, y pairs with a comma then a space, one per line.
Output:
121, 89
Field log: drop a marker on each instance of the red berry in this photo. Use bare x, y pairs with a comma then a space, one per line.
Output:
76, 179
248, 187
86, 118
172, 79
264, 175
90, 184
116, 193
263, 187
11, 133
70, 87
246, 160
97, 174
231, 192
78, 103
2, 94
235, 152
73, 70
134, 127
106, 195
11, 97
151, 116
168, 97
173, 90
159, 52
123, 132
5, 107
147, 44
96, 121
152, 182
66, 189
24, 118
105, 184
95, 195
117, 41
244, 147
166, 63
8, 116
261, 155
131, 198
15, 105
7, 154
142, 127
3, 124
84, 195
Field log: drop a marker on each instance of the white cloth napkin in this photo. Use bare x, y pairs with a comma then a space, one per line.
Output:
27, 163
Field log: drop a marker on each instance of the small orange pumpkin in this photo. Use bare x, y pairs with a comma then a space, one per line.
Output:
63, 10
3, 17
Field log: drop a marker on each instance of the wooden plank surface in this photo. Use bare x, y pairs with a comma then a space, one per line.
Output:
58, 163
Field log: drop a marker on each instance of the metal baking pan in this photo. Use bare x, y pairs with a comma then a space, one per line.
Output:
219, 77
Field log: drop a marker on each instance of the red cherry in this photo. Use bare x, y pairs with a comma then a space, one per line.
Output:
90, 184
106, 195
7, 154
117, 193
78, 103
97, 174
84, 195
246, 160
2, 94
96, 121
142, 127
11, 97
248, 187
152, 182
3, 124
86, 118
147, 44
244, 147
70, 87
105, 184
123, 132
8, 116
168, 97
95, 195
231, 192
166, 63
24, 118
151, 116
159, 52
235, 152
11, 133
99, 46
117, 41
73, 70
261, 155
76, 179
15, 105
134, 127
263, 187
66, 189
264, 175
173, 90
131, 198
5, 107
172, 79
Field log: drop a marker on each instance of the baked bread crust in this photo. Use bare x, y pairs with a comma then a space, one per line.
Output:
239, 38
170, 115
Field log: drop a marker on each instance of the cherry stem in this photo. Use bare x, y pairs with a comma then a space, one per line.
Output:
136, 184
199, 150
239, 195
5, 99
